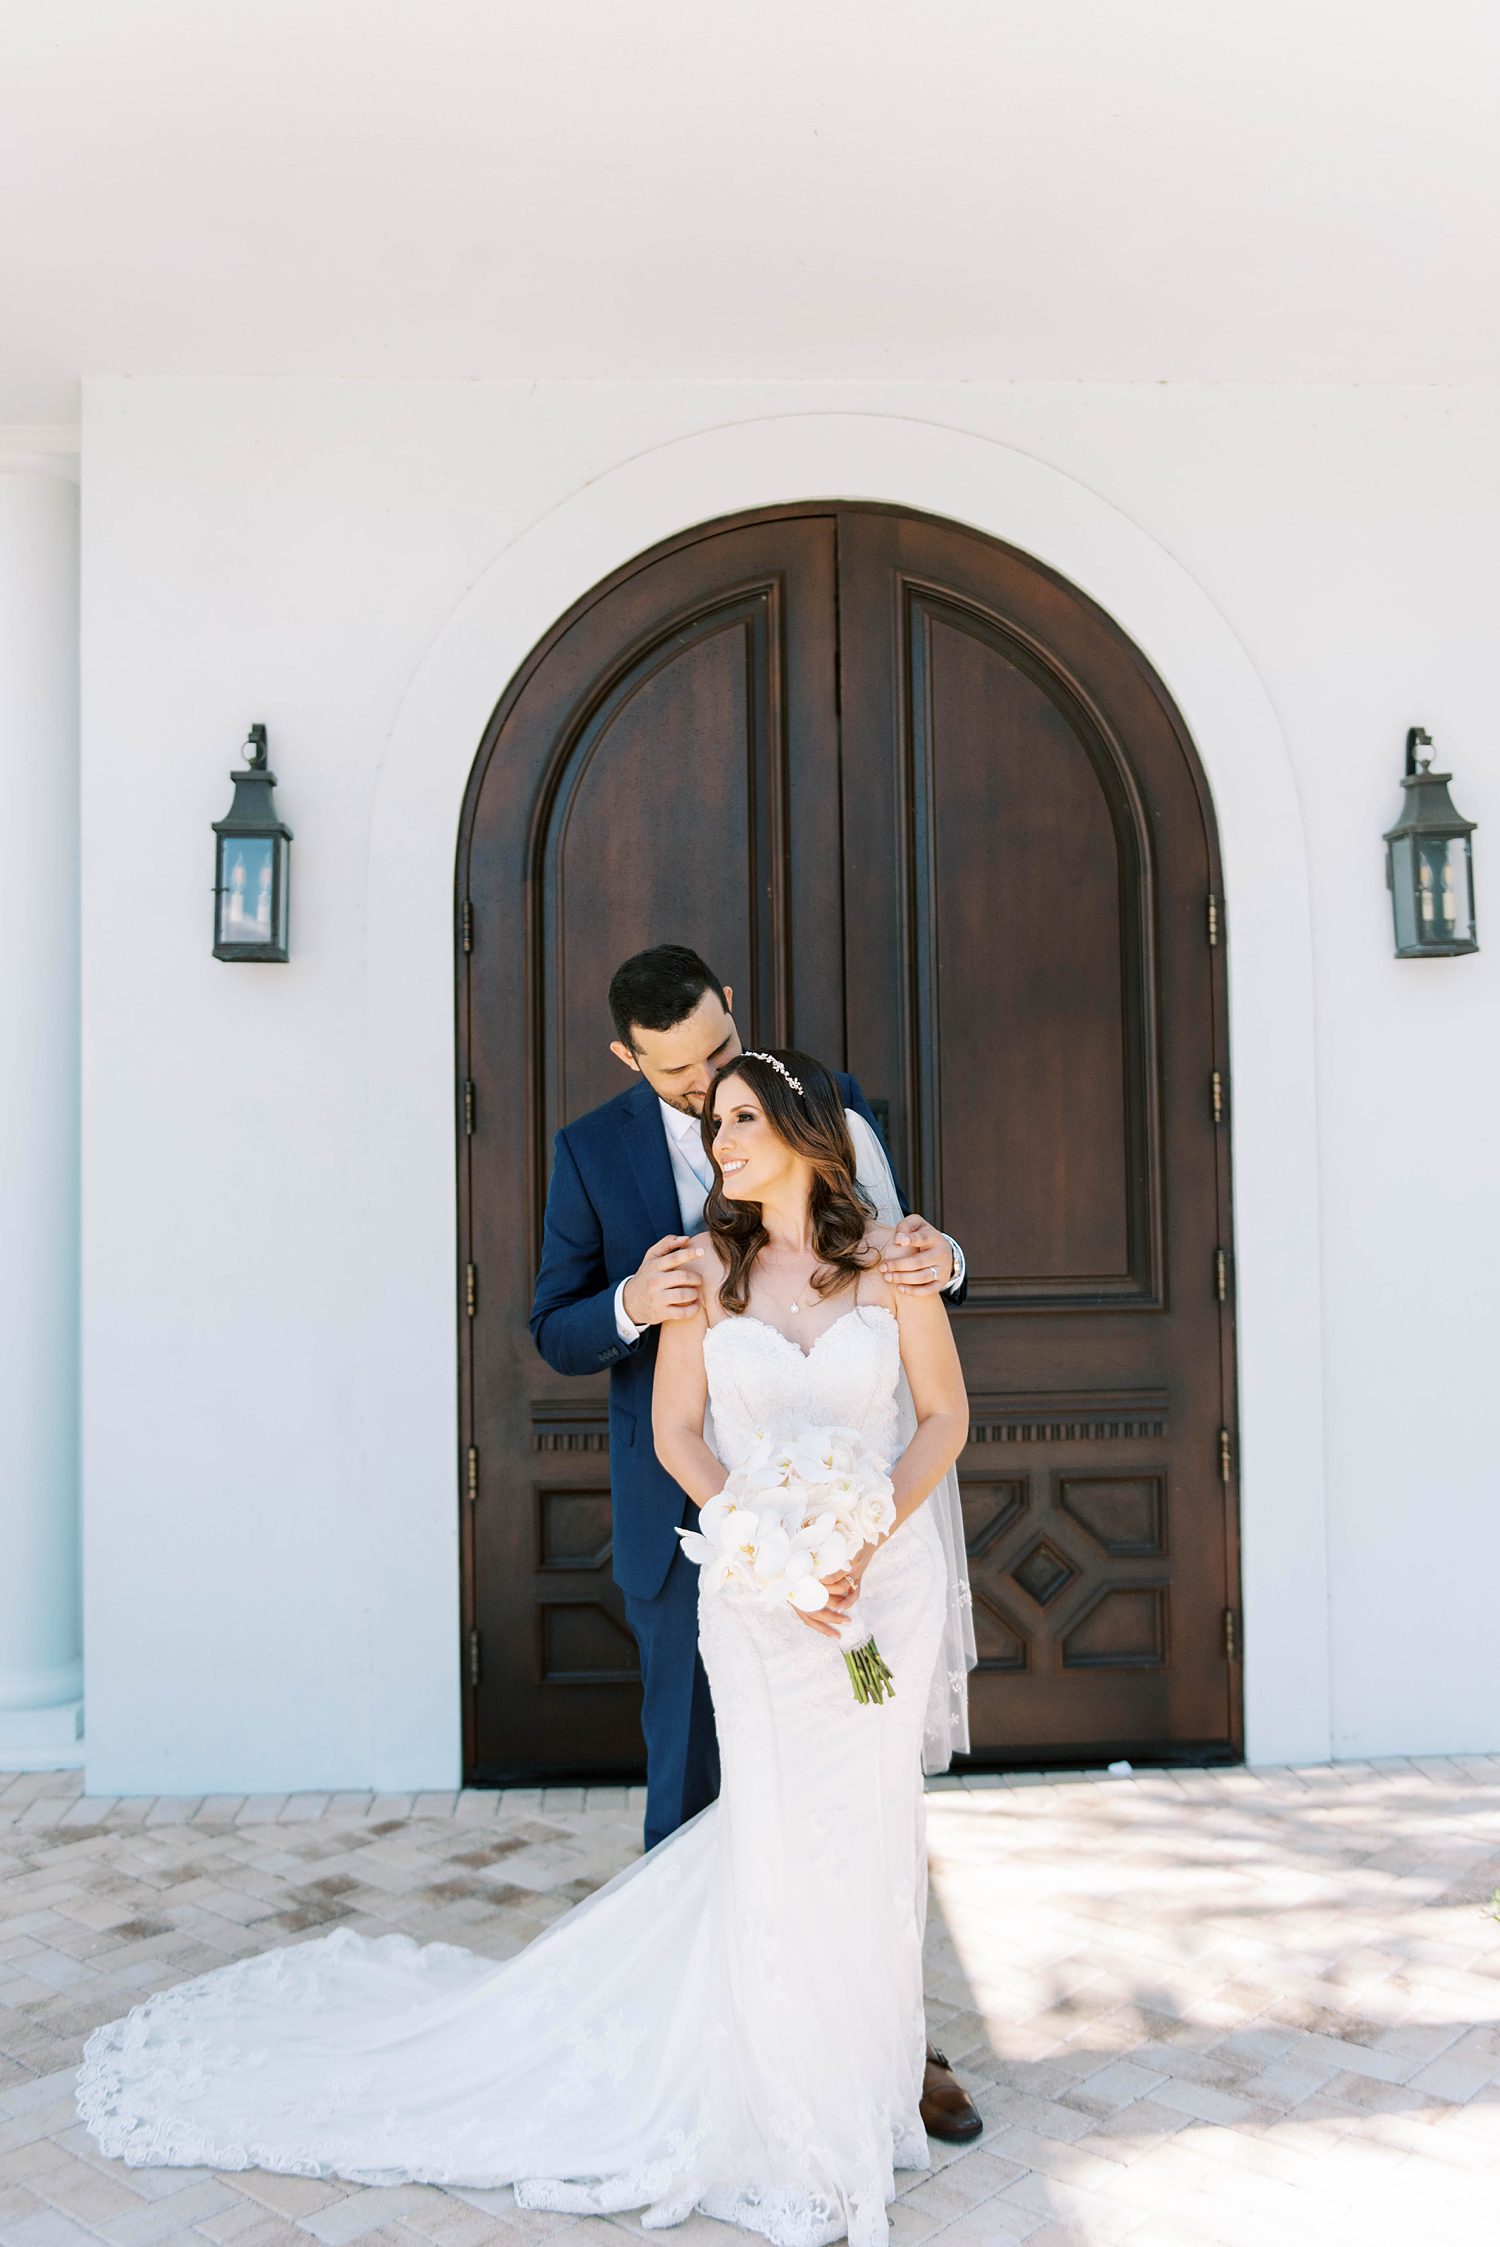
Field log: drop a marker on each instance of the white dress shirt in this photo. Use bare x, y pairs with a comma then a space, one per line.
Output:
692, 1175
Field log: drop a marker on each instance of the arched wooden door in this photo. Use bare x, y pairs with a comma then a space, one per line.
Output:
936, 819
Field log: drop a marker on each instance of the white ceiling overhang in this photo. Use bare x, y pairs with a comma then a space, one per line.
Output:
978, 190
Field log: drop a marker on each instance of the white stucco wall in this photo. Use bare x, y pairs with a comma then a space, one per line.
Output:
271, 1570
41, 1671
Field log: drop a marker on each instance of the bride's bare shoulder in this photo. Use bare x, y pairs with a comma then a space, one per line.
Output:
713, 1268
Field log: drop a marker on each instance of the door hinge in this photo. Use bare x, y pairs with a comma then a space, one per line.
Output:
469, 1107
1223, 1455
1216, 1086
1213, 918
1229, 1634
474, 1662
471, 1289
467, 918
472, 1475
1221, 1275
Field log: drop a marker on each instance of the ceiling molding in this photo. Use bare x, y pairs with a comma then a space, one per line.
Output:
48, 448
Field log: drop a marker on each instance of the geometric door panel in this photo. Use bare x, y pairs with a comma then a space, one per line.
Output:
1066, 1572
1122, 1628
1076, 1574
1124, 1514
585, 1639
584, 1644
573, 1528
939, 823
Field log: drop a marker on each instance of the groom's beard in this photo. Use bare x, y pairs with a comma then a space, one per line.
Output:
687, 1103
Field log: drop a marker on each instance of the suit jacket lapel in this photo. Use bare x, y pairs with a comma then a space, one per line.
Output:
646, 1145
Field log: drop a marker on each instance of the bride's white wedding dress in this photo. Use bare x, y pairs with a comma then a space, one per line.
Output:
733, 2024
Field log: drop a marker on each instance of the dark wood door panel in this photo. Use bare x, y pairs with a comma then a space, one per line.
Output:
1097, 1603
936, 819
1031, 887
639, 785
1026, 846
671, 811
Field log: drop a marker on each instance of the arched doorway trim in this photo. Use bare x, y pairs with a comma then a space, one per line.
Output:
408, 1409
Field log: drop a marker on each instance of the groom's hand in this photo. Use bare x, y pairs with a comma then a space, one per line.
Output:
669, 1284
919, 1258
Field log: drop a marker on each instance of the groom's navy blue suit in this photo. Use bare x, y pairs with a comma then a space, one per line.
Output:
612, 1197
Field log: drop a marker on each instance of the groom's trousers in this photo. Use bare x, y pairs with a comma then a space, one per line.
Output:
677, 1716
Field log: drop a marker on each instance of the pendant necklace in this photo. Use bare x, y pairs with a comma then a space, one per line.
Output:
796, 1308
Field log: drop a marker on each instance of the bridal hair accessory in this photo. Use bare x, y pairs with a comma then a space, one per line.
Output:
779, 1066
793, 1513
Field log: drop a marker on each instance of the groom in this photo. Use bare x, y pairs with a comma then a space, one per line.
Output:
629, 1182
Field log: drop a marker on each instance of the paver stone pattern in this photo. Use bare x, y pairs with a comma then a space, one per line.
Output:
1260, 2007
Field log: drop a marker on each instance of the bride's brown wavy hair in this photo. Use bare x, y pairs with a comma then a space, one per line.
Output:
813, 1125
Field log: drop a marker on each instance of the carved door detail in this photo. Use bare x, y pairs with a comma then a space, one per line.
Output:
936, 819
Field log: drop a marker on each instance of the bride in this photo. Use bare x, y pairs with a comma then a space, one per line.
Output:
734, 2023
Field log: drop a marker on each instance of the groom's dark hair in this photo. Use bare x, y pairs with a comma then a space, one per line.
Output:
655, 990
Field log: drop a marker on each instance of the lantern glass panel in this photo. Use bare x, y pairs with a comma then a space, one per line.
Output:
1453, 887
247, 891
283, 888
1404, 892
1432, 884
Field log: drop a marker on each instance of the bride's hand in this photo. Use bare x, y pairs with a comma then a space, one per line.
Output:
843, 1592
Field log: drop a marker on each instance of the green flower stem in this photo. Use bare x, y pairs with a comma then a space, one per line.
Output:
869, 1674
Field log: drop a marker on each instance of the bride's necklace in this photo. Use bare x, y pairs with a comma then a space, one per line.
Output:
795, 1310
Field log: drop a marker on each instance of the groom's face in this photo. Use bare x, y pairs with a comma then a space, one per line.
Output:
680, 1064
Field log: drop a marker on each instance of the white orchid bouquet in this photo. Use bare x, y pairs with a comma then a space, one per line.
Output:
795, 1512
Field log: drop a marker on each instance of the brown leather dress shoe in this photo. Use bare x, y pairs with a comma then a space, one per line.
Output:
947, 2110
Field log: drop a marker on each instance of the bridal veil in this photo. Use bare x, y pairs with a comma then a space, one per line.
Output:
946, 1730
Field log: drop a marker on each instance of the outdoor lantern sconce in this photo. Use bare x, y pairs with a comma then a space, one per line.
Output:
1429, 864
254, 866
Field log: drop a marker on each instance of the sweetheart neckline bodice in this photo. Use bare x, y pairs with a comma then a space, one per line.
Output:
765, 1383
749, 1318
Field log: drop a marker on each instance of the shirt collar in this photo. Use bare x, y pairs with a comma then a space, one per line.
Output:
677, 1123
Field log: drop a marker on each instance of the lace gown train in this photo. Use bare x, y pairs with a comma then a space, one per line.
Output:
734, 2024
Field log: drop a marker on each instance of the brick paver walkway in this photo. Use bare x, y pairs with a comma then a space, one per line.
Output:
1256, 2007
